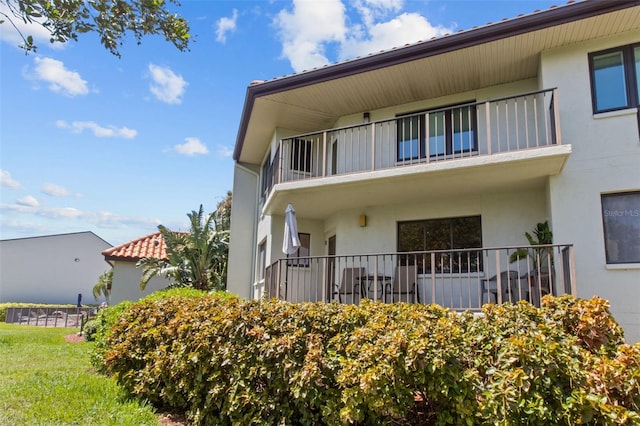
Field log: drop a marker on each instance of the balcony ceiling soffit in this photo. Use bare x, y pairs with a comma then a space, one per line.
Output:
505, 172
317, 106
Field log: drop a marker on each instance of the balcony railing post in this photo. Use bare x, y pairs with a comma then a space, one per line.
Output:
278, 282
498, 277
373, 146
280, 163
324, 280
556, 116
433, 277
572, 272
324, 153
427, 145
375, 278
487, 115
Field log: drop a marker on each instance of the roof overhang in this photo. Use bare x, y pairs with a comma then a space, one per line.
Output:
493, 54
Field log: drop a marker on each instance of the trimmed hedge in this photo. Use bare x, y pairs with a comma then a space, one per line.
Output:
226, 361
98, 328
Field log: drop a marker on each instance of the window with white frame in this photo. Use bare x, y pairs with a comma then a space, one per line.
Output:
615, 78
621, 221
262, 260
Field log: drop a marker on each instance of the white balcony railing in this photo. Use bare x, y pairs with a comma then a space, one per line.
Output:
516, 123
461, 279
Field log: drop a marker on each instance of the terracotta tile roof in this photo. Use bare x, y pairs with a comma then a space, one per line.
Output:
151, 245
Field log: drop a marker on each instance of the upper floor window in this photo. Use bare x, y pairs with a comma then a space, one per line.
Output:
266, 177
270, 170
437, 133
615, 82
621, 221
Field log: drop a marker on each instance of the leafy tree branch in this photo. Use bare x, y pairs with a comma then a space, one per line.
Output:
65, 20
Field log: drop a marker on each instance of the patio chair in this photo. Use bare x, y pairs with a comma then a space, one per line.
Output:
405, 282
510, 284
350, 283
539, 283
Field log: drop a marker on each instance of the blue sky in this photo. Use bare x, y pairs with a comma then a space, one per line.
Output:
90, 142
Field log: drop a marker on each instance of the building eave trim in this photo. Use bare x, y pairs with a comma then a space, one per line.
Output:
474, 37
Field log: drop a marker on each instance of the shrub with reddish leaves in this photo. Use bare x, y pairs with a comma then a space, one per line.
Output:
227, 361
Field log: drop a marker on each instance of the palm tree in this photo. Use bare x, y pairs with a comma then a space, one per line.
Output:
103, 286
197, 258
543, 236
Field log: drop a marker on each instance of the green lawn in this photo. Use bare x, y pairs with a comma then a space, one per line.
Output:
45, 380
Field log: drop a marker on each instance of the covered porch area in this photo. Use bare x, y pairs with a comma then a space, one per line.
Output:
460, 279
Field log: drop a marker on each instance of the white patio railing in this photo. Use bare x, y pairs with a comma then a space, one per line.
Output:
509, 124
459, 279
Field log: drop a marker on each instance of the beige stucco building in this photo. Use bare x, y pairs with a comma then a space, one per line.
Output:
51, 268
416, 172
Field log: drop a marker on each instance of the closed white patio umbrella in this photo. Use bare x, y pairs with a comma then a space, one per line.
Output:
291, 241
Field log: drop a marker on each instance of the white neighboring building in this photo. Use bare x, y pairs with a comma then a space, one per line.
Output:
51, 268
126, 277
450, 149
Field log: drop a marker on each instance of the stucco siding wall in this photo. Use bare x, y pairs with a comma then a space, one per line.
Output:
241, 268
486, 93
51, 269
505, 218
126, 283
605, 158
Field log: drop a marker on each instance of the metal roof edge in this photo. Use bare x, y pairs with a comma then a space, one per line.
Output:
572, 11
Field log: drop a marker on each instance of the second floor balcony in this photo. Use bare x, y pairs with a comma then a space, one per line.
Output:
520, 131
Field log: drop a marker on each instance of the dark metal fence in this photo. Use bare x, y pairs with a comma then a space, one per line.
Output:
458, 279
49, 316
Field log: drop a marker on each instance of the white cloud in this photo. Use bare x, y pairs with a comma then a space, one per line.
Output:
313, 27
49, 212
306, 29
403, 29
115, 221
61, 212
10, 34
21, 227
29, 201
372, 10
7, 181
224, 152
60, 79
225, 25
98, 130
166, 85
101, 219
57, 191
191, 147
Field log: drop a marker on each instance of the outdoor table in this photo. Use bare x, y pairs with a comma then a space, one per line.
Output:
370, 279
